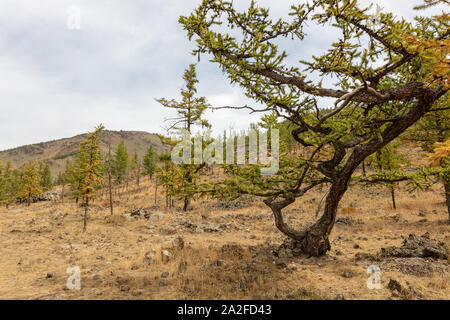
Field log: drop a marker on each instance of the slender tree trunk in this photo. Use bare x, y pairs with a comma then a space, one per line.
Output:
138, 176
186, 203
447, 196
85, 214
167, 200
62, 193
28, 201
156, 191
393, 198
364, 168
110, 194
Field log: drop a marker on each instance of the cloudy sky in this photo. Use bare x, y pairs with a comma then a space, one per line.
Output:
56, 82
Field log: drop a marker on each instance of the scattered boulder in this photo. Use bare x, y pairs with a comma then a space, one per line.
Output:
178, 243
144, 213
419, 247
395, 286
406, 293
347, 273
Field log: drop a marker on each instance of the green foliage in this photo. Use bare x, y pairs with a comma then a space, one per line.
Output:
31, 181
121, 162
190, 109
89, 170
134, 163
381, 85
46, 177
150, 161
67, 155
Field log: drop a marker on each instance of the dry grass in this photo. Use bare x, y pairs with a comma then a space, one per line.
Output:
121, 258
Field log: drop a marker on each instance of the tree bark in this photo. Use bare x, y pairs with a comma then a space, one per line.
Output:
313, 241
85, 214
364, 168
316, 240
156, 191
393, 198
110, 194
186, 203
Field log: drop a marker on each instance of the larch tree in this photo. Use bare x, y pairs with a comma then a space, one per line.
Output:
90, 169
31, 182
121, 163
135, 167
383, 84
441, 158
46, 177
9, 185
190, 113
149, 162
432, 129
387, 164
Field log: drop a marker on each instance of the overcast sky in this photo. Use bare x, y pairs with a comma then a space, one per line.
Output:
56, 82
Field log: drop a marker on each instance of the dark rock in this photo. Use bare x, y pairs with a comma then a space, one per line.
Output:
178, 243
348, 273
417, 246
395, 286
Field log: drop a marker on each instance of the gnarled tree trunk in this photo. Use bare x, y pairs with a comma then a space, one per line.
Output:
313, 241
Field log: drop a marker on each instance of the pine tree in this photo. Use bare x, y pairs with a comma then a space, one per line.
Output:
135, 167
149, 162
46, 177
90, 169
32, 186
121, 163
441, 159
387, 163
72, 178
190, 112
385, 85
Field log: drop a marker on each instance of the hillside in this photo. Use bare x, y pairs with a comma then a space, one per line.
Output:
57, 152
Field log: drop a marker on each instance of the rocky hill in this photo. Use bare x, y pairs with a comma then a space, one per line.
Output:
57, 152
